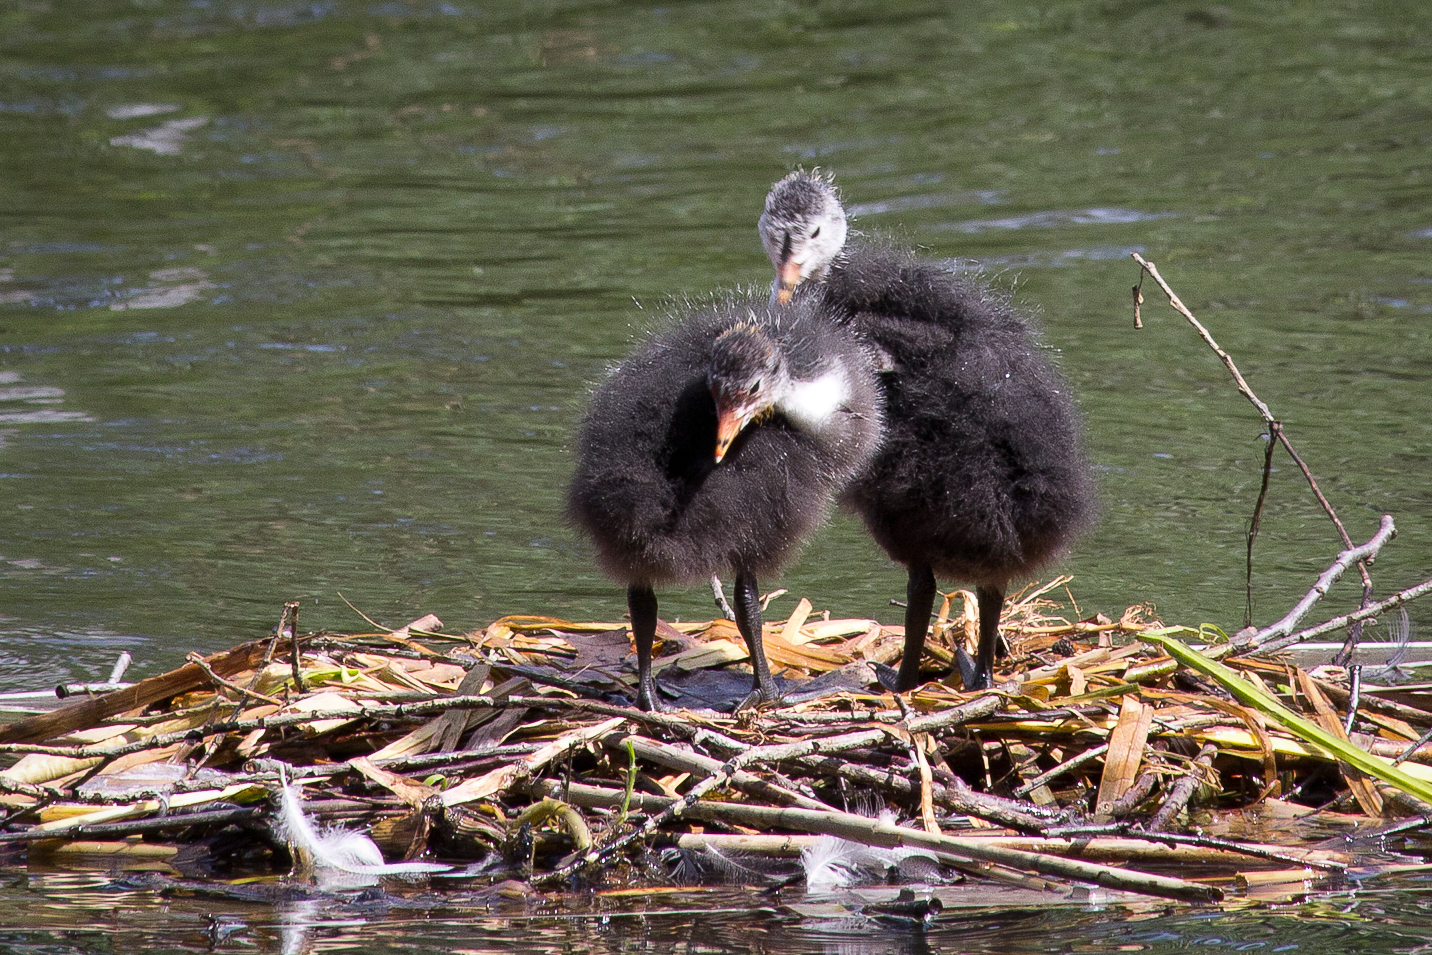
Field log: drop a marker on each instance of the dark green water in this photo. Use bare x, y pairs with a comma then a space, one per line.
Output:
302, 298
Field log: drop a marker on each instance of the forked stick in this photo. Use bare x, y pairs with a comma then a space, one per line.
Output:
1275, 433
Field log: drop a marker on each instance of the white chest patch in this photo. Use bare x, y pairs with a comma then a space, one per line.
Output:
812, 404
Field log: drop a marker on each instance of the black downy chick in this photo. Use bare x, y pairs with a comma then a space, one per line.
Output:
720, 445
982, 475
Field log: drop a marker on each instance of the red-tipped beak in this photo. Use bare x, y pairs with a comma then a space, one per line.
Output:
790, 276
731, 420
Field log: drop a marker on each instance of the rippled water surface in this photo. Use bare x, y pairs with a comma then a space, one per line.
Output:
81, 914
302, 299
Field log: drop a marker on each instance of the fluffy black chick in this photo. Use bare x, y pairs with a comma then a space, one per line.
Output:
982, 475
718, 446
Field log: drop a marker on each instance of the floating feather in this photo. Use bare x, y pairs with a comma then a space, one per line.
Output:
334, 853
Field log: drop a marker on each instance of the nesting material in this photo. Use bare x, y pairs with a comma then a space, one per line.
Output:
513, 750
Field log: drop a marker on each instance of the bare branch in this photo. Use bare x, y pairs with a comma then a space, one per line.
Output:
1328, 577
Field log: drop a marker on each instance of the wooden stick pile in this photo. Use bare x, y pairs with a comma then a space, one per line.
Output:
513, 746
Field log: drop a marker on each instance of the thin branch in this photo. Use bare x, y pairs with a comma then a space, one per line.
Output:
244, 694
1258, 518
1067, 766
719, 595
1257, 403
1354, 677
290, 617
1337, 623
874, 832
1184, 789
1347, 558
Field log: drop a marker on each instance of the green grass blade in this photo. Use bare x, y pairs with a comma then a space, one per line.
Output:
1304, 729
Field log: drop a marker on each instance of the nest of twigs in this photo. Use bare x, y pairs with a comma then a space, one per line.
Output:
512, 751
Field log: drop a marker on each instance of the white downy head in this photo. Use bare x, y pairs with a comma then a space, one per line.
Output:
802, 229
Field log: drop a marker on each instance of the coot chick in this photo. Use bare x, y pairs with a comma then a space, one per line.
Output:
982, 476
720, 445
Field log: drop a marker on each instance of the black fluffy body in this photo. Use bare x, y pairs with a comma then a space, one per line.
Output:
649, 494
981, 475
647, 490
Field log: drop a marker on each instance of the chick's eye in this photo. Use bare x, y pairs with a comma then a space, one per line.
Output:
755, 386
816, 232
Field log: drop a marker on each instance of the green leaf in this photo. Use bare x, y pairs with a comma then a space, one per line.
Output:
1304, 729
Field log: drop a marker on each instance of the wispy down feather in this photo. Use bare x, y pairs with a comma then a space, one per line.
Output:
834, 863
334, 854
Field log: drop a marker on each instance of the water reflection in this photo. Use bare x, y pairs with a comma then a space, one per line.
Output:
93, 914
1055, 218
166, 139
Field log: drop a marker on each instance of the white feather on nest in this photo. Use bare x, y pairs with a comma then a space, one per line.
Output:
335, 854
834, 863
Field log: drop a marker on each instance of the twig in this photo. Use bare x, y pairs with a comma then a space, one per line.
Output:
138, 826
1407, 753
1067, 766
1267, 415
116, 675
1337, 623
1163, 849
976, 709
244, 694
120, 666
1366, 553
503, 777
1267, 853
290, 616
873, 832
1354, 674
981, 706
719, 596
258, 672
1142, 788
8, 785
1183, 790
1012, 814
684, 761
1257, 520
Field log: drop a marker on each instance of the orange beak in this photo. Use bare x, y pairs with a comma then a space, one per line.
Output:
731, 420
790, 276
729, 424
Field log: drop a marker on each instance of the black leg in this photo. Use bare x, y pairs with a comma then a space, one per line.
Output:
748, 621
991, 605
919, 601
641, 603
